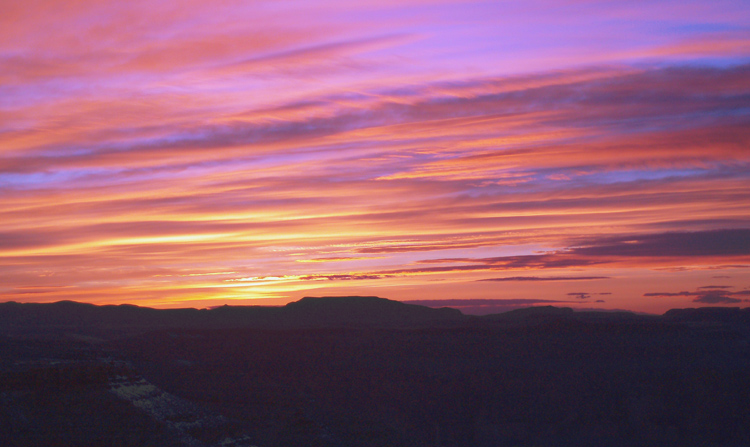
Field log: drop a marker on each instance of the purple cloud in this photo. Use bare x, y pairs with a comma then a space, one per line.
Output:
711, 296
580, 295
546, 278
724, 242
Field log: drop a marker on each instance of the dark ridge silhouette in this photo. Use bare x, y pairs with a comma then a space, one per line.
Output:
308, 312
369, 372
547, 314
71, 313
710, 314
538, 313
365, 311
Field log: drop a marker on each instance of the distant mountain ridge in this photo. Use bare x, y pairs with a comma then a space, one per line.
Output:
310, 312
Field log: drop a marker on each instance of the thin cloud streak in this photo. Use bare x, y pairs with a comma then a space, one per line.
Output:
546, 278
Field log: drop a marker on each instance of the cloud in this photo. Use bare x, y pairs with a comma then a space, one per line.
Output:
319, 52
543, 140
337, 259
703, 267
546, 278
580, 295
665, 294
727, 43
500, 263
340, 277
725, 242
711, 296
606, 250
613, 251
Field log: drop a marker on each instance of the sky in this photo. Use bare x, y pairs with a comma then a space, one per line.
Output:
485, 155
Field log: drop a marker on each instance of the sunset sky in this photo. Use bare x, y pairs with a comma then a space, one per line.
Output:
592, 154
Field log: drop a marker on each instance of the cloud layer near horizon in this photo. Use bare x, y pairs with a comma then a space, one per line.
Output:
186, 152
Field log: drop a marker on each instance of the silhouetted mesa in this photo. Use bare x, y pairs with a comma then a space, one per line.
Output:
365, 311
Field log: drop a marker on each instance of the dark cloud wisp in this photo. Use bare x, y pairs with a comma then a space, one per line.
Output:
710, 296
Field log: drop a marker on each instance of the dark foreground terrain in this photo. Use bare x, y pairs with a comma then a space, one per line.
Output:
364, 371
